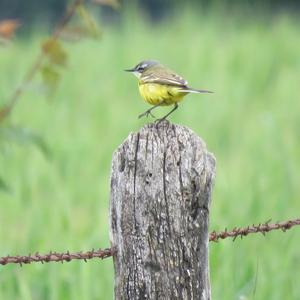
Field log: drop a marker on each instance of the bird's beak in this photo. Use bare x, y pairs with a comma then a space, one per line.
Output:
130, 70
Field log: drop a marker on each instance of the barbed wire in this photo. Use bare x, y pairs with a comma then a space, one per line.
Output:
55, 256
108, 252
262, 228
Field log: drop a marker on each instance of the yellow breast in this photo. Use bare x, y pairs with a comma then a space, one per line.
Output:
155, 93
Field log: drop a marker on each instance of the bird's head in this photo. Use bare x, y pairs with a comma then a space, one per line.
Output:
143, 66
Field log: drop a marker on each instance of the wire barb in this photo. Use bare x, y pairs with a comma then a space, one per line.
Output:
108, 252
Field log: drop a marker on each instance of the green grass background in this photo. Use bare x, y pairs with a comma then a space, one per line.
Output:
251, 124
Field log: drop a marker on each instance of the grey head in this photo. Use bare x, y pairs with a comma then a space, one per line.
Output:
142, 66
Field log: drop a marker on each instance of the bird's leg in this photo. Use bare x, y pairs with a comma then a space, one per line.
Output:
164, 117
148, 112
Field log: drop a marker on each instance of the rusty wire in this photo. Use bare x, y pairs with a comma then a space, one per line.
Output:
105, 253
55, 256
262, 228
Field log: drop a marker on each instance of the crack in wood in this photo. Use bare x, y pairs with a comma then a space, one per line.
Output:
134, 177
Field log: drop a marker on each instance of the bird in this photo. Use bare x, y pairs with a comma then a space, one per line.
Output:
160, 86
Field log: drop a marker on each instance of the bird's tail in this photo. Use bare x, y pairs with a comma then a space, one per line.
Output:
191, 90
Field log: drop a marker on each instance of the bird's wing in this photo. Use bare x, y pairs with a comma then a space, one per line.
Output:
165, 77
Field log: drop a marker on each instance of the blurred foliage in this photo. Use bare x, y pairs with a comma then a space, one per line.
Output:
89, 23
56, 58
8, 28
3, 185
35, 11
50, 62
32, 11
24, 136
55, 52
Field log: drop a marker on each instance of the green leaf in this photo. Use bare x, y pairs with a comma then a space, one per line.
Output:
55, 52
50, 77
25, 136
89, 22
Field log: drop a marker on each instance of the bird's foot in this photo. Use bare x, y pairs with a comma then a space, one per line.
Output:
146, 114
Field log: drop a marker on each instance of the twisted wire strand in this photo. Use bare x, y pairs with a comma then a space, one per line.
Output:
108, 252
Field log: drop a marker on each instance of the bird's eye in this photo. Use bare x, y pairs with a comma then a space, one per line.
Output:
142, 67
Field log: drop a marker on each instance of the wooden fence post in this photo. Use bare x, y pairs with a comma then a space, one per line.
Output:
161, 185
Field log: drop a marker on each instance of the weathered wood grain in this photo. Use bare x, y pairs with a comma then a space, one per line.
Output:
161, 185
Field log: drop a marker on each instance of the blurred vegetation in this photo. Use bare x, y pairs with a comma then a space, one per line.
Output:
34, 11
55, 196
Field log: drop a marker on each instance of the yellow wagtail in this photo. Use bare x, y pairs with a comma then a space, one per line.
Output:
160, 86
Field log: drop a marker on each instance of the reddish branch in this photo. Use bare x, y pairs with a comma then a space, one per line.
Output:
104, 253
6, 110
